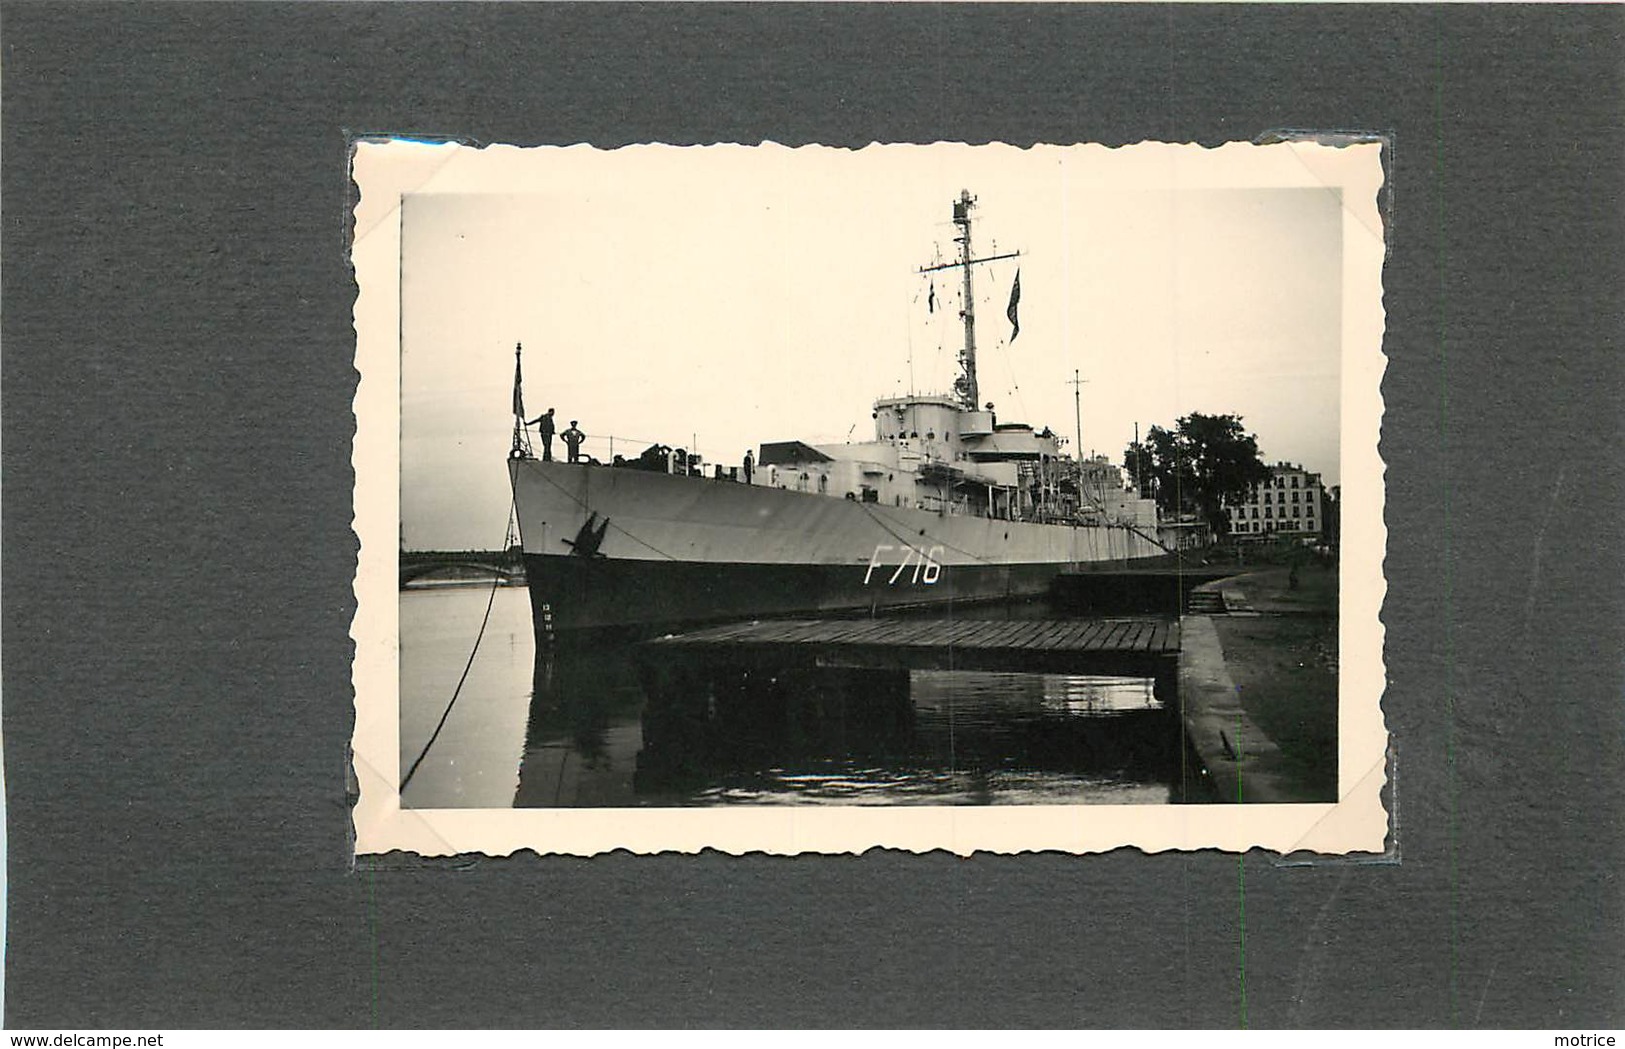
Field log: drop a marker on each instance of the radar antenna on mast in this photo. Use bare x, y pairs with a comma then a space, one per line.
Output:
965, 385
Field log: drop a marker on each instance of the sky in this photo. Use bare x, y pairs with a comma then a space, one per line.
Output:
735, 295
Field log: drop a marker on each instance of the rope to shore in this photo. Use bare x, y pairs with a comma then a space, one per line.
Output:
507, 543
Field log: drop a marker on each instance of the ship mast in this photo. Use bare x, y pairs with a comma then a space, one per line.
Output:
1077, 410
965, 385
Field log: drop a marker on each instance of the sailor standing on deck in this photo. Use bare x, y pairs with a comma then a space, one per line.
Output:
544, 424
572, 441
750, 465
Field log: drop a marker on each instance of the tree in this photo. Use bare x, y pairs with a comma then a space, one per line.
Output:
1198, 465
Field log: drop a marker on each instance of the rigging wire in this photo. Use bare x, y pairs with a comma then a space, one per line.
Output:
940, 330
908, 333
908, 541
574, 499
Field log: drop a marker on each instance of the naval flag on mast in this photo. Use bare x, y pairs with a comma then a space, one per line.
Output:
1010, 311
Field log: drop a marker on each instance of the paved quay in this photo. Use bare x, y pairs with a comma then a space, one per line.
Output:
1258, 685
1244, 763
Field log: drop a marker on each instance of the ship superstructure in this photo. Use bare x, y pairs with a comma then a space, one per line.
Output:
930, 454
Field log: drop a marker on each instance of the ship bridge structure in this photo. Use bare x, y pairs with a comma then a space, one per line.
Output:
930, 453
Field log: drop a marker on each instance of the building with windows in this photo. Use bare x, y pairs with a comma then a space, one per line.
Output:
1291, 502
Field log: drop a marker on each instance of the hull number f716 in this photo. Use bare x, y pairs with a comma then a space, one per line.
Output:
927, 569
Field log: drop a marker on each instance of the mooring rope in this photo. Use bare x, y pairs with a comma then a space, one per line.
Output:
496, 582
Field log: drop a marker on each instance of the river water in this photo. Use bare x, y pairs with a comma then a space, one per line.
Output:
569, 730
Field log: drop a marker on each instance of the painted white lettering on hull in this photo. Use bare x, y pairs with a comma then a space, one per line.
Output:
927, 567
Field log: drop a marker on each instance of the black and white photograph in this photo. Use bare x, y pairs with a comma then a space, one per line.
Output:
694, 517
773, 499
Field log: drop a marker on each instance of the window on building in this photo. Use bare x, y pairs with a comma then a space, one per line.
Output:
1294, 483
1294, 496
1266, 511
1255, 513
1295, 512
1266, 497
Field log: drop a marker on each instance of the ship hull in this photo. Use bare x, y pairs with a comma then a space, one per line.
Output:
610, 548
575, 593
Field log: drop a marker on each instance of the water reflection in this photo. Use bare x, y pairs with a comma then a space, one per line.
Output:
582, 735
607, 725
617, 727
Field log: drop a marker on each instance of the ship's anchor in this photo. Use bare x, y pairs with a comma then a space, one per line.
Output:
587, 540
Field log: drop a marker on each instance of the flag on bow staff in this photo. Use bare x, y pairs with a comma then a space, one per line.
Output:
1010, 310
521, 436
518, 386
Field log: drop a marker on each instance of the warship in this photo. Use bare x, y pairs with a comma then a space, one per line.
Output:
944, 505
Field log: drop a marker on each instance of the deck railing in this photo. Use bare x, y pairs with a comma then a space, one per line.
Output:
603, 449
